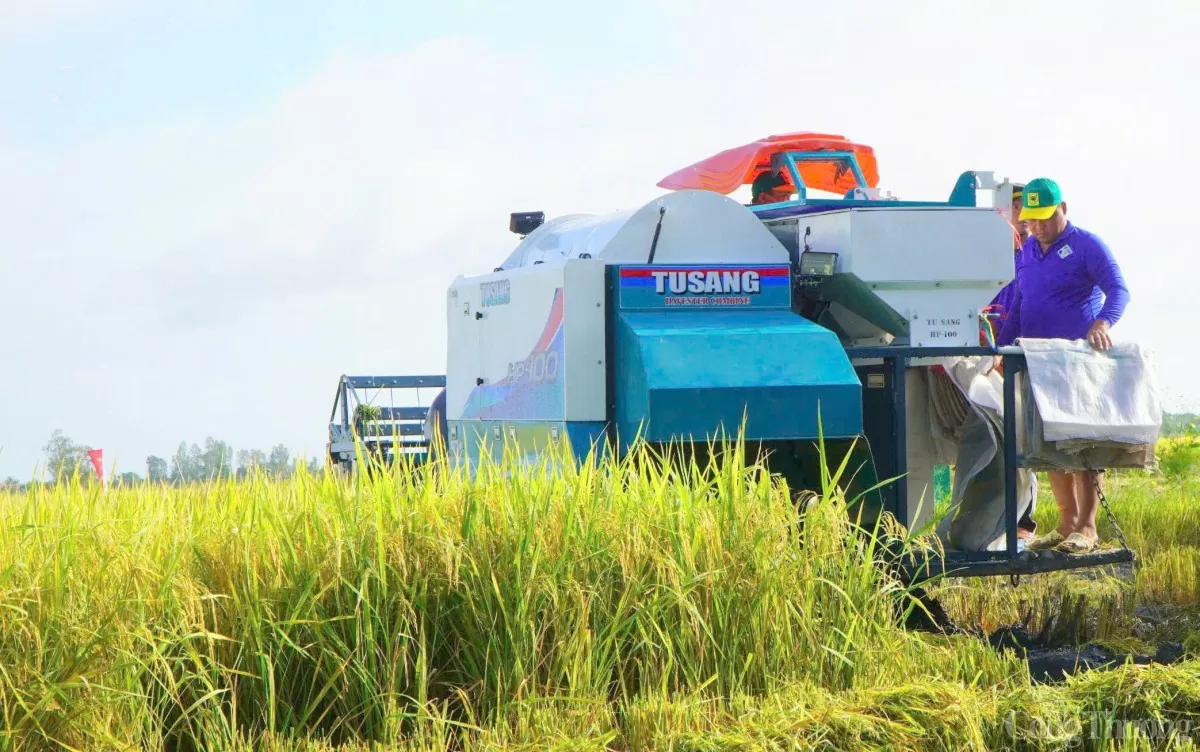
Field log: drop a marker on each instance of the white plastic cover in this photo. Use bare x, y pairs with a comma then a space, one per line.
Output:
693, 227
1089, 394
568, 236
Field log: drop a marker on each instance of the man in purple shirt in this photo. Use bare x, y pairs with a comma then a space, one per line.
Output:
1067, 286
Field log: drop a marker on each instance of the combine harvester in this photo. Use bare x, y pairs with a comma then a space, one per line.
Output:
694, 314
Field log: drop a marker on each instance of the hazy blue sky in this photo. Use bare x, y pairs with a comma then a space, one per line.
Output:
208, 213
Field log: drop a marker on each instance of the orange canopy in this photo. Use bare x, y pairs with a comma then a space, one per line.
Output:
727, 171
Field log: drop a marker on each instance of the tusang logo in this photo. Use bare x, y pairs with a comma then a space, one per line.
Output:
678, 283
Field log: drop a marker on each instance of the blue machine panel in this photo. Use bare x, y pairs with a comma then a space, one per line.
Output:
659, 286
688, 373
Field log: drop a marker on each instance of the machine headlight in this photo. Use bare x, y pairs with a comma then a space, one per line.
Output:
815, 264
523, 223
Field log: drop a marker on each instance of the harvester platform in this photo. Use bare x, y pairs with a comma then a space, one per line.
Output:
1014, 560
365, 422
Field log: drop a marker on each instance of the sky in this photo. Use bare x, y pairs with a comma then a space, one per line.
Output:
210, 211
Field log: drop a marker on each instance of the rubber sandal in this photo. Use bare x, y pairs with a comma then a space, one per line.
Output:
1077, 543
1049, 540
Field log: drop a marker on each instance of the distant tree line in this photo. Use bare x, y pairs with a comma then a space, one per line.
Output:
67, 460
217, 459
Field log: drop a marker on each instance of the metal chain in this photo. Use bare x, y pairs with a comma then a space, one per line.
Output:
1112, 518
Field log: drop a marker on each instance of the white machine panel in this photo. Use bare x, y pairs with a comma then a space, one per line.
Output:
937, 267
693, 227
528, 344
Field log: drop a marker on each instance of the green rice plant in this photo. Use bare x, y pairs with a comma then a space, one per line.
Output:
1179, 456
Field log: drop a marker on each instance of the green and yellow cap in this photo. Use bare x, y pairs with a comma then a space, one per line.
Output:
1039, 199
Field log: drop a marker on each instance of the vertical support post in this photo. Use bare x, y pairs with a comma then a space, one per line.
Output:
797, 181
899, 367
858, 174
345, 402
611, 306
1010, 454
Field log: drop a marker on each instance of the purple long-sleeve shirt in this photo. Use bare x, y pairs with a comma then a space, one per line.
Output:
1003, 300
1060, 293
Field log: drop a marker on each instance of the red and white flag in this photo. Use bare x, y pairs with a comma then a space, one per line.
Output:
97, 458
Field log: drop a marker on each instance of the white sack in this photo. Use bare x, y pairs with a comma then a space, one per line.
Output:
1085, 393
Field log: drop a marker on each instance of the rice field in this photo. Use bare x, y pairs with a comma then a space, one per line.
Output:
615, 607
